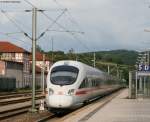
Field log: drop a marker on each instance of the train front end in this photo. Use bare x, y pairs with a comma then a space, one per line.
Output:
61, 86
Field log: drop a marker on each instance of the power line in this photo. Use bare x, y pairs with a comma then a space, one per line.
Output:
66, 30
57, 18
71, 18
17, 21
15, 24
12, 33
13, 38
12, 10
12, 21
54, 22
30, 3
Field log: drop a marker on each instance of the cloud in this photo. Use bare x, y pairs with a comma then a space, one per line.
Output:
108, 24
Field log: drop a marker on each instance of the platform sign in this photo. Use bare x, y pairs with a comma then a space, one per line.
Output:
145, 68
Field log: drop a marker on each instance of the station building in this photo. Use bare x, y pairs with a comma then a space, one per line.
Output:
16, 62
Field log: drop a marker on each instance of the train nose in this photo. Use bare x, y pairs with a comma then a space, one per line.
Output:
60, 101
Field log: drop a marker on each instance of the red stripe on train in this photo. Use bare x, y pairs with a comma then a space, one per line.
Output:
81, 92
86, 91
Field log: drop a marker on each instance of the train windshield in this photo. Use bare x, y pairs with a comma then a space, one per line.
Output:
64, 75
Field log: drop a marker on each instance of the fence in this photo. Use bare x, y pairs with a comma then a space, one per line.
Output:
7, 84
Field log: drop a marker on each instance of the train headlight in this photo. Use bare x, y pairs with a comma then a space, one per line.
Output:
51, 91
71, 91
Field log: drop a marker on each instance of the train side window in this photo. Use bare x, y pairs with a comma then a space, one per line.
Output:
82, 84
85, 83
93, 82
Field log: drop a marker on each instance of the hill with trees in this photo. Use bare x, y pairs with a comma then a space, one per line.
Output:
120, 62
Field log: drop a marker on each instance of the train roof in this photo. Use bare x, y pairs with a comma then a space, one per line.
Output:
77, 64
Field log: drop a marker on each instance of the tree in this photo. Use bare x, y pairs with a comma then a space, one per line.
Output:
39, 49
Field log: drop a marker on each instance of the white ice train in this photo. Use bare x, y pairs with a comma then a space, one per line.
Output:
72, 83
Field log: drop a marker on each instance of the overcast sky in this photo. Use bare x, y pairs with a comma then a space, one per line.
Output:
107, 24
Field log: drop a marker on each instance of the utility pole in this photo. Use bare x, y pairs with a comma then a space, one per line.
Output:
76, 57
117, 72
43, 74
94, 60
108, 69
52, 50
34, 24
148, 57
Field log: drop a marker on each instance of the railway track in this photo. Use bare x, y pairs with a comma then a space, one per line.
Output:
15, 112
24, 111
49, 116
19, 92
17, 105
46, 117
16, 94
19, 100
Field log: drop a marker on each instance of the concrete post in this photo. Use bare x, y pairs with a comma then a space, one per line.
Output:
130, 85
144, 86
140, 84
136, 80
34, 18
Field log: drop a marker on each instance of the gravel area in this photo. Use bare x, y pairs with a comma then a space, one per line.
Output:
28, 117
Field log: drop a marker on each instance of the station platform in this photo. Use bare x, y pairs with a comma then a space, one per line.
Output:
119, 109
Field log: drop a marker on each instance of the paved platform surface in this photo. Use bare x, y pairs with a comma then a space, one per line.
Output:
121, 109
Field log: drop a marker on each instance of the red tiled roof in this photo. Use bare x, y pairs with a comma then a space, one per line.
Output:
39, 57
7, 47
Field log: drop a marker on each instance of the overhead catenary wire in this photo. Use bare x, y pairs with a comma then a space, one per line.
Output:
30, 3
51, 19
14, 23
17, 21
72, 34
53, 22
72, 31
12, 33
71, 18
13, 38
